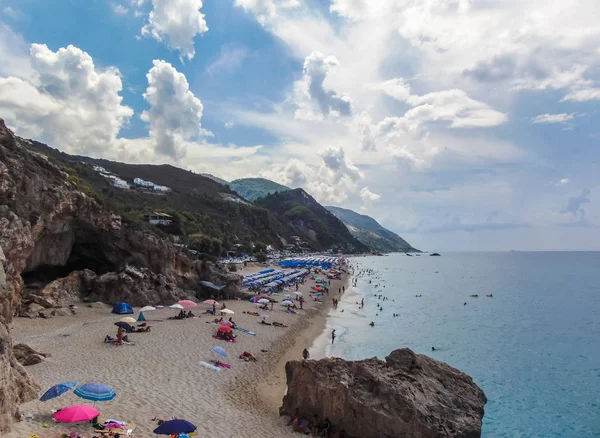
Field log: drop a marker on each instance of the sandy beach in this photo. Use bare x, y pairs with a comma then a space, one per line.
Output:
161, 376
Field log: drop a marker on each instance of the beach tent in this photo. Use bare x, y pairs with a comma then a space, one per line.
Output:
122, 308
141, 317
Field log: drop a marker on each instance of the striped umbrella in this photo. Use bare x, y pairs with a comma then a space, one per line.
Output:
95, 392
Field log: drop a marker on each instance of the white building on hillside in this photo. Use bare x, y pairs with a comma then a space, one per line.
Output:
142, 183
120, 183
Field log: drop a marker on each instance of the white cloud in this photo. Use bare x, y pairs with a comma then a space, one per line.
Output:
119, 9
312, 88
583, 95
229, 124
553, 118
229, 60
175, 113
266, 9
368, 198
176, 23
562, 182
72, 104
396, 88
11, 13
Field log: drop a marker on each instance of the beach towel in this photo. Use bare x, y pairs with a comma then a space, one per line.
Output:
210, 366
232, 340
245, 331
221, 364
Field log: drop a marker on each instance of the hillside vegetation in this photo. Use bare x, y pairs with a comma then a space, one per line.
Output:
208, 215
370, 232
311, 220
254, 188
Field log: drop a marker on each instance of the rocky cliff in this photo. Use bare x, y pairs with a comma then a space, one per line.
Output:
58, 245
406, 396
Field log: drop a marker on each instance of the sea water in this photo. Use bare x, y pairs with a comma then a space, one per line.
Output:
534, 347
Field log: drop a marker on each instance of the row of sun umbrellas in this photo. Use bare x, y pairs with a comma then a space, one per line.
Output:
100, 392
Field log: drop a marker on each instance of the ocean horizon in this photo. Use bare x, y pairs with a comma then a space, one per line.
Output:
533, 347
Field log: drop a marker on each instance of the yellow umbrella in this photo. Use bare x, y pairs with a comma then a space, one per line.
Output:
128, 320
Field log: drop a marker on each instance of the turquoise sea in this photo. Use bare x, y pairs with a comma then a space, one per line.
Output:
534, 348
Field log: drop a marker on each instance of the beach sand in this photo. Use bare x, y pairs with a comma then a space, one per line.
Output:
161, 376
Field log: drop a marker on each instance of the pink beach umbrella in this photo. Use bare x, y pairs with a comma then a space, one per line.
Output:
76, 414
210, 302
187, 303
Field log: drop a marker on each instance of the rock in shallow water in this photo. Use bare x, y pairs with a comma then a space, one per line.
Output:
406, 396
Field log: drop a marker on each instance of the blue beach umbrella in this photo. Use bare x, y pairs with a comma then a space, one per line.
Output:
175, 427
220, 351
95, 392
58, 390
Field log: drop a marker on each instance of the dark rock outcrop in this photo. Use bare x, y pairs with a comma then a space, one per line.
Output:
27, 355
57, 244
406, 396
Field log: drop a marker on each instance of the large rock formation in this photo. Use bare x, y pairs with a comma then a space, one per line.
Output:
406, 396
57, 245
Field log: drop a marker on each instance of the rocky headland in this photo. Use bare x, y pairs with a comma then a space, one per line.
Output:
407, 395
59, 246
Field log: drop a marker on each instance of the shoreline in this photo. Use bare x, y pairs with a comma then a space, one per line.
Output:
161, 376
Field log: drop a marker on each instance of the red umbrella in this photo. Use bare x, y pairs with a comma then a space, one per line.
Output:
210, 302
76, 414
187, 303
224, 329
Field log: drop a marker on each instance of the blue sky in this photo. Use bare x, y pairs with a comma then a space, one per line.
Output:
459, 124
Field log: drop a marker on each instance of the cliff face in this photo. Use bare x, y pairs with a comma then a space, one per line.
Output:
58, 245
406, 396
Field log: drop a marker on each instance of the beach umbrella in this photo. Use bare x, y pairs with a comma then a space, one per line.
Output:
264, 296
176, 306
58, 390
227, 323
224, 329
210, 302
299, 294
288, 296
95, 392
263, 301
227, 311
147, 308
124, 325
220, 351
175, 427
76, 414
188, 303
128, 320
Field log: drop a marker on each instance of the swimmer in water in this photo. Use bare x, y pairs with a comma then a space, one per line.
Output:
432, 348
372, 324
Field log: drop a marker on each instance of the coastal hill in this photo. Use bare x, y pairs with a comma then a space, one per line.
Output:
254, 188
309, 218
370, 232
215, 178
198, 206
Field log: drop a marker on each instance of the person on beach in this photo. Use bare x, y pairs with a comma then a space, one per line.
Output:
362, 303
305, 354
214, 312
332, 336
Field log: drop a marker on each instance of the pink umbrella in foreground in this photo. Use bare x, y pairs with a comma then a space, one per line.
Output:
210, 302
187, 303
76, 414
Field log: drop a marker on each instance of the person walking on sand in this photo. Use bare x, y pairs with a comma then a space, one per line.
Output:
305, 354
332, 336
362, 303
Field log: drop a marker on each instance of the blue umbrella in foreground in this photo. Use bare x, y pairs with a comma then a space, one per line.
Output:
174, 427
220, 351
95, 392
58, 390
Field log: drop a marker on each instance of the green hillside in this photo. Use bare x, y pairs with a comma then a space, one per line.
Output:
215, 178
370, 232
254, 188
312, 222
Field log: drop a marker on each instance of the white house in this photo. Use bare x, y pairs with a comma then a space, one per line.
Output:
143, 183
160, 188
99, 169
158, 218
122, 184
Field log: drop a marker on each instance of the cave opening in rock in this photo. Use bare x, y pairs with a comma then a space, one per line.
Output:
84, 255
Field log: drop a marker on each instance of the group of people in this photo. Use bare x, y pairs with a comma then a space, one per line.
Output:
183, 315
314, 428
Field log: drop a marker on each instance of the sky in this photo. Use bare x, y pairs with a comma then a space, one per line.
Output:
462, 125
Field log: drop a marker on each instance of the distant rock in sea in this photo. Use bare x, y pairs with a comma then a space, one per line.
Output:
434, 254
407, 395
